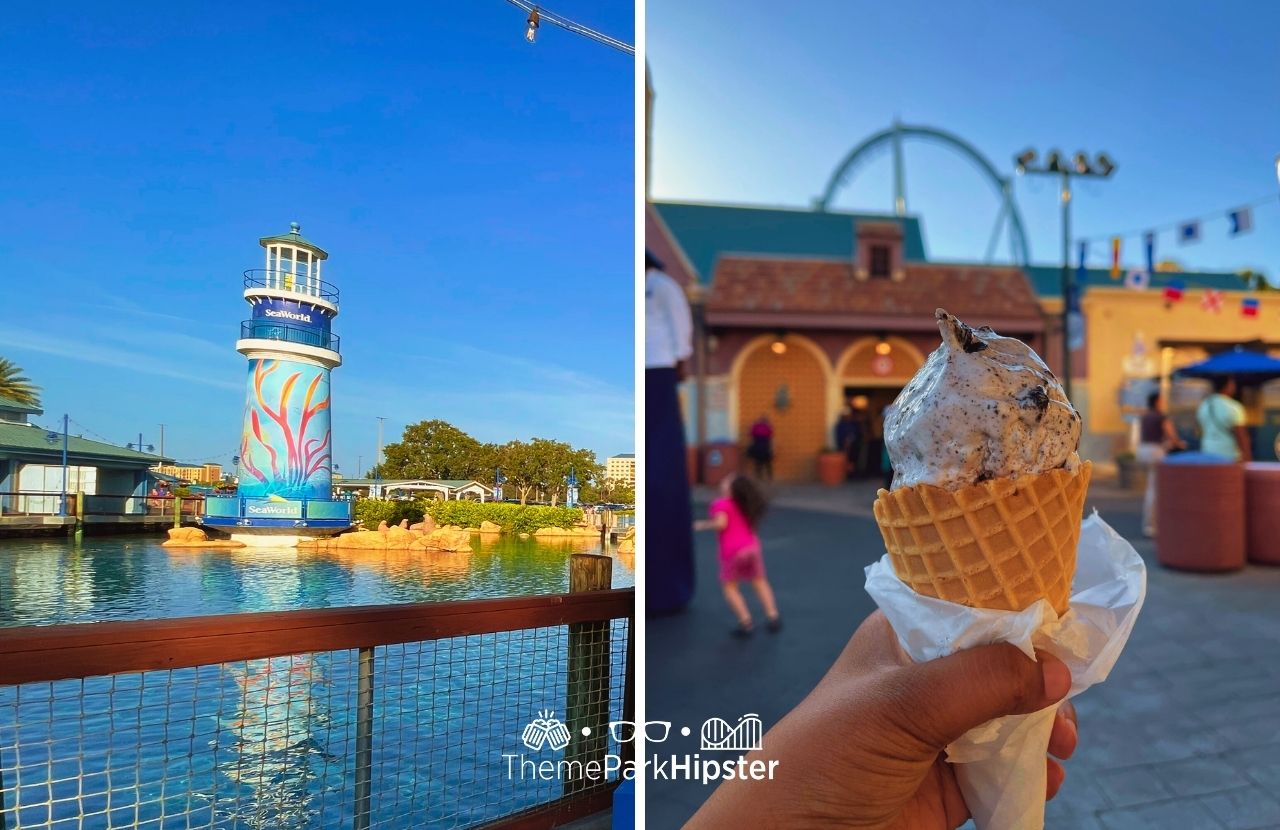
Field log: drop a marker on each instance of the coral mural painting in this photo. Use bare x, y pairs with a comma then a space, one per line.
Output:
285, 446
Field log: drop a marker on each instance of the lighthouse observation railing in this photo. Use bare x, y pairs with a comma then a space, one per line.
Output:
282, 280
494, 713
260, 329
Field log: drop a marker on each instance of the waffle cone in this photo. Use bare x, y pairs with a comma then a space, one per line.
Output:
1002, 543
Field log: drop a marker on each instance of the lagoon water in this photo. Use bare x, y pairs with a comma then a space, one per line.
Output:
270, 743
133, 577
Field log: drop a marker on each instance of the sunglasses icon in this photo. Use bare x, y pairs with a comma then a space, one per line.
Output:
624, 731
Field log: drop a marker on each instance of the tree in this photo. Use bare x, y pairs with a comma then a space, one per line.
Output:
611, 490
520, 467
542, 463
15, 387
557, 460
437, 449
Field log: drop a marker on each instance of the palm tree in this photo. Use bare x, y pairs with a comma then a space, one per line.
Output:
15, 387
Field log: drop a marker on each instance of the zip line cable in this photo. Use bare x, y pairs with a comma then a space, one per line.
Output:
538, 15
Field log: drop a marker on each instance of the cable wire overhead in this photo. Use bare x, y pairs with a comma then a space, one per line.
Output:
538, 16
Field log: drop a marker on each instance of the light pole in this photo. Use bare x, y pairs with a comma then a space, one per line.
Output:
1055, 165
697, 295
377, 470
52, 437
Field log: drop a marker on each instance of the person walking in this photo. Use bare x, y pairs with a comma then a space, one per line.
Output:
760, 451
736, 515
849, 440
668, 345
1156, 437
1221, 418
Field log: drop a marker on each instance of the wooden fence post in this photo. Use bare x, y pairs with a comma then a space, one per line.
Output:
588, 690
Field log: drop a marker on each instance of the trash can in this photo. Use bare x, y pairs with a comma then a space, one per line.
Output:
1200, 513
719, 460
1262, 511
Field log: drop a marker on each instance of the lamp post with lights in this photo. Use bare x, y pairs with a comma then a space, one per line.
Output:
52, 437
1055, 165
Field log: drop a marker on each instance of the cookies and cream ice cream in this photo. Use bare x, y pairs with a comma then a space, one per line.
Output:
981, 407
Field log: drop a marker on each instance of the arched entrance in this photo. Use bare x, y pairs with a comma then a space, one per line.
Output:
870, 374
789, 385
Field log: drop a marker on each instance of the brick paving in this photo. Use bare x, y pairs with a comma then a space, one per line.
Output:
1184, 734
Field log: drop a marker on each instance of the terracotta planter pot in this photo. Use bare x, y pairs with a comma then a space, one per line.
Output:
833, 467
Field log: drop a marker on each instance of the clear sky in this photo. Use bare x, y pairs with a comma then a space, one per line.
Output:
475, 194
758, 102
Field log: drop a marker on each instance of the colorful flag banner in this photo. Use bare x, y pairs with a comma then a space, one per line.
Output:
1173, 291
1075, 319
1212, 301
1189, 231
1115, 257
1151, 252
1249, 306
1241, 220
1137, 280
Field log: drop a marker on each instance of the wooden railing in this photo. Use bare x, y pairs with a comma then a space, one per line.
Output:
83, 651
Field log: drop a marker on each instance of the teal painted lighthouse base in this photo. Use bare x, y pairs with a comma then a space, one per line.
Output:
277, 522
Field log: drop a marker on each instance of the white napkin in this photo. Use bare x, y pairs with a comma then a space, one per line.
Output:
1000, 765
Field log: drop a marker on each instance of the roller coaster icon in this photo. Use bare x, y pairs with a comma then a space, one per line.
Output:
745, 737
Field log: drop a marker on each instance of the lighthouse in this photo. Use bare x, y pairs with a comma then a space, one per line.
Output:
285, 461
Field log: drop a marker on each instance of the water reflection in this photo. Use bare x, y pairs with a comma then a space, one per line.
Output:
119, 578
275, 754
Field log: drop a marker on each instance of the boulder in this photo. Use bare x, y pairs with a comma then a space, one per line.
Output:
445, 539
404, 524
366, 539
427, 525
187, 534
194, 537
627, 545
631, 533
382, 525
524, 535
398, 538
489, 527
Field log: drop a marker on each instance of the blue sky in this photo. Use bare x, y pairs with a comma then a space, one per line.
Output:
758, 102
475, 194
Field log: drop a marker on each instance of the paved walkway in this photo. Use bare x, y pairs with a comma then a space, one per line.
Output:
1185, 734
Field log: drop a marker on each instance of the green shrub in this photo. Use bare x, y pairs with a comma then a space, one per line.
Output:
369, 512
512, 518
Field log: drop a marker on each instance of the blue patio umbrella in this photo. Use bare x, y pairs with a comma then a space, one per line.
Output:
1246, 366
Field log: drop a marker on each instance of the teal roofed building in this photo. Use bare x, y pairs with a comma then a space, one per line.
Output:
112, 478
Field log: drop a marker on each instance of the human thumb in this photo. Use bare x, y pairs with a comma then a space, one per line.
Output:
940, 700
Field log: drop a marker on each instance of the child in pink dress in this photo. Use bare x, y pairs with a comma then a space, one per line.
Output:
736, 514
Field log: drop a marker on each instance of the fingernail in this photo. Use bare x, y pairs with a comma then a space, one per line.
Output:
1057, 677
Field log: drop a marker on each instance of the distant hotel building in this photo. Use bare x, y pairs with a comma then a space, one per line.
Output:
192, 473
621, 467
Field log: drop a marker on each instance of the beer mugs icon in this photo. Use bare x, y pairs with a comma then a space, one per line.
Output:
545, 730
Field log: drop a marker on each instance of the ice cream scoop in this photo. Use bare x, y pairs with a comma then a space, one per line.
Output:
982, 406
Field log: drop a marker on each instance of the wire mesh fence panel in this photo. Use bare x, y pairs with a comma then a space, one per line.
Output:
252, 744
464, 730
471, 729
